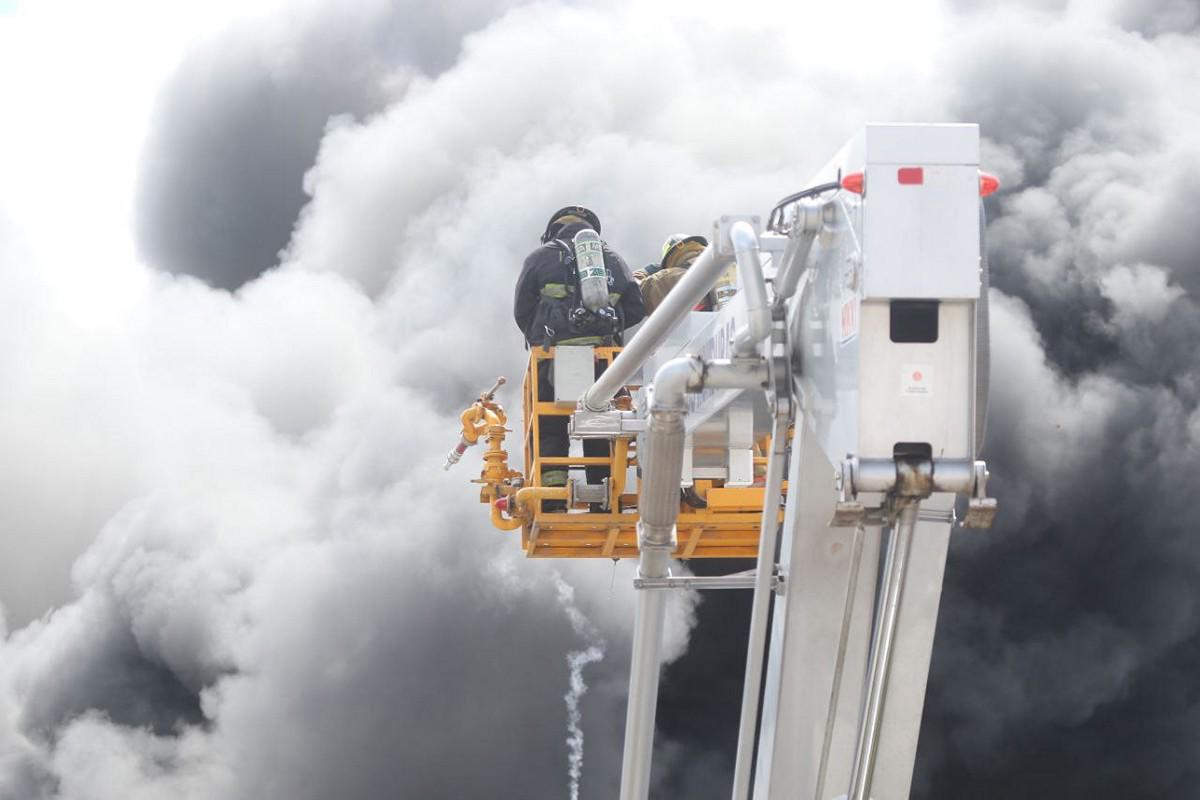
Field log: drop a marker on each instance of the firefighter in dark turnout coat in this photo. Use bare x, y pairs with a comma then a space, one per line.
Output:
545, 286
545, 297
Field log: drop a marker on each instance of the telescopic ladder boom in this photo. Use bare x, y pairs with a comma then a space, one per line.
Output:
846, 382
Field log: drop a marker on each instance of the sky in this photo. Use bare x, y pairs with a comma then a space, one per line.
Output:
257, 256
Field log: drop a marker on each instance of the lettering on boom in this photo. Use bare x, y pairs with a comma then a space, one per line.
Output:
719, 346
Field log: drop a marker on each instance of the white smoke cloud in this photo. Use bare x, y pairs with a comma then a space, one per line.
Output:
577, 660
278, 602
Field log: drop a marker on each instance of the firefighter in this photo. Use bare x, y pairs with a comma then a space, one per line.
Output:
548, 309
678, 253
640, 275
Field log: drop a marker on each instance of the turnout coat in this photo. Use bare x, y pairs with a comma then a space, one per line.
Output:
547, 286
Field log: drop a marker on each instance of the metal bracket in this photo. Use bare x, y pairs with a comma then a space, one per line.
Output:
981, 509
931, 515
721, 227
920, 478
604, 424
738, 580
779, 365
772, 242
589, 493
849, 511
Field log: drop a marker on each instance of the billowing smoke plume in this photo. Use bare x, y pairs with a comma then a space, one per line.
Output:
1069, 636
576, 661
240, 122
273, 589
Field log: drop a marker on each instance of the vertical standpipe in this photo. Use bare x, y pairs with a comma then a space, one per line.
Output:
662, 464
756, 644
883, 637
662, 467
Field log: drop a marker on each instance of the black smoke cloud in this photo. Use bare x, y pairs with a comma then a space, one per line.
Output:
1069, 636
1157, 17
240, 121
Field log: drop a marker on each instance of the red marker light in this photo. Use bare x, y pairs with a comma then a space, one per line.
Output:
987, 183
853, 182
911, 176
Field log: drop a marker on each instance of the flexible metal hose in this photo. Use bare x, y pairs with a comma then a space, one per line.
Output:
983, 355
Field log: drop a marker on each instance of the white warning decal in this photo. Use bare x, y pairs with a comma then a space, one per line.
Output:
916, 380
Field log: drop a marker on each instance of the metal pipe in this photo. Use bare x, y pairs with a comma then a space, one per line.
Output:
531, 494
754, 287
882, 640
795, 256
764, 572
502, 523
643, 695
663, 445
724, 373
696, 283
491, 393
659, 500
953, 475
701, 582
881, 474
672, 382
662, 461
983, 347
873, 474
662, 465
839, 669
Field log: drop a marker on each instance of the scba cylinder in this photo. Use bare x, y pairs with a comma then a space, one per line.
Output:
725, 288
593, 275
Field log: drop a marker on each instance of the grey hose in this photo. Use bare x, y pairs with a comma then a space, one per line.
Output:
983, 356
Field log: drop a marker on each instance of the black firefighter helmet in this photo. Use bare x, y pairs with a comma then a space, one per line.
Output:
559, 219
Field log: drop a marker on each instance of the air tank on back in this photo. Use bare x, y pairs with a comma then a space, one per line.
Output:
725, 288
593, 275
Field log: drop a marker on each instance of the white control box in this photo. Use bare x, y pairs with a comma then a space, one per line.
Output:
887, 320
